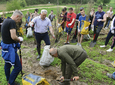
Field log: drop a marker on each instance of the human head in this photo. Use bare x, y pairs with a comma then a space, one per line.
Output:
43, 14
111, 8
63, 11
81, 8
36, 11
100, 8
82, 12
71, 10
93, 9
51, 11
17, 16
53, 52
65, 8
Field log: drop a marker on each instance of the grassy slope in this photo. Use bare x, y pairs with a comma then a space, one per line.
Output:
91, 70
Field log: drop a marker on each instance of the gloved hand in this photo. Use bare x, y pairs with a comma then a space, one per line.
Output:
99, 20
58, 25
0, 23
79, 30
61, 79
69, 24
21, 39
112, 31
86, 28
92, 26
31, 24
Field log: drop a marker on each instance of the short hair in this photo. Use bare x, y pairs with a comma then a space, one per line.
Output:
65, 8
71, 8
54, 51
45, 11
81, 9
36, 10
100, 6
52, 10
17, 12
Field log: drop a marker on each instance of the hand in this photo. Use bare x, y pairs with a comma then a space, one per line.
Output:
79, 30
58, 25
54, 36
112, 31
31, 24
92, 26
20, 38
76, 78
69, 24
61, 79
0, 23
86, 28
99, 20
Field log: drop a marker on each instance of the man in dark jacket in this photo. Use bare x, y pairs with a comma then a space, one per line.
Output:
71, 57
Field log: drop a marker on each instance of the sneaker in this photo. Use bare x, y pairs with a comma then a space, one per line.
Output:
103, 46
77, 44
106, 27
110, 75
80, 45
38, 57
66, 43
109, 50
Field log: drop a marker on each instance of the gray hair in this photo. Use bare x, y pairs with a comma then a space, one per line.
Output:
17, 12
43, 11
54, 51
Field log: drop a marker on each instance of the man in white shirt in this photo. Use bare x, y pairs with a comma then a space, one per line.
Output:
41, 24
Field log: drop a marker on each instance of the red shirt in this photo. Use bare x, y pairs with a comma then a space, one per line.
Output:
69, 19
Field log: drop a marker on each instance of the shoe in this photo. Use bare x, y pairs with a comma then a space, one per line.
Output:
103, 46
110, 75
106, 27
66, 43
109, 50
38, 57
77, 44
80, 45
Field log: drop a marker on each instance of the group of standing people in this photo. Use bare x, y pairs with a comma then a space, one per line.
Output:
71, 56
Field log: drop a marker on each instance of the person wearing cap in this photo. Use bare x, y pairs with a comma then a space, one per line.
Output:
10, 44
71, 57
71, 16
98, 22
41, 24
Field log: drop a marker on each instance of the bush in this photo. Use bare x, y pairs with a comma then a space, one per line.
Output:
13, 5
23, 3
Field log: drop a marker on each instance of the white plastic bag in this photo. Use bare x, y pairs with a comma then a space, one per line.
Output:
29, 32
46, 58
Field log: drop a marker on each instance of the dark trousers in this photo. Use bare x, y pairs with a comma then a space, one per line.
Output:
78, 62
108, 38
96, 32
39, 37
17, 68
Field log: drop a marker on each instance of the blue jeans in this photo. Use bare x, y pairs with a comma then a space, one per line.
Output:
108, 38
39, 37
17, 68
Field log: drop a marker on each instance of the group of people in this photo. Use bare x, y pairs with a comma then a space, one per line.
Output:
71, 55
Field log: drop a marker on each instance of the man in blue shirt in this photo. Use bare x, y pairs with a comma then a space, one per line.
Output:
98, 22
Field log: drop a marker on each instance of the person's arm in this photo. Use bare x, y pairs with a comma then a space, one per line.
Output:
13, 35
63, 67
93, 20
30, 17
51, 30
70, 61
104, 18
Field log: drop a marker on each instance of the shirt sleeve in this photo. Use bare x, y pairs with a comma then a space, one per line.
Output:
74, 16
49, 23
34, 20
12, 25
71, 62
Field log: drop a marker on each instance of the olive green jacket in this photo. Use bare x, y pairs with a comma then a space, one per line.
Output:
68, 54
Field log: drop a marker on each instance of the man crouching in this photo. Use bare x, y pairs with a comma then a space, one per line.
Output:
71, 57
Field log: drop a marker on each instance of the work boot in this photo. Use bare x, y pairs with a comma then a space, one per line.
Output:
38, 57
